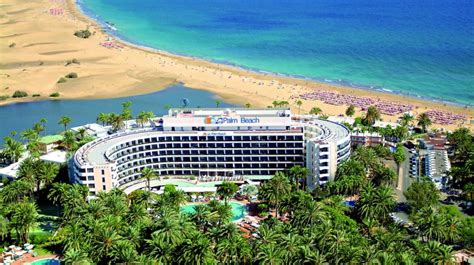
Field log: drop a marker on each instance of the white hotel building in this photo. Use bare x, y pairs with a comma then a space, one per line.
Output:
213, 144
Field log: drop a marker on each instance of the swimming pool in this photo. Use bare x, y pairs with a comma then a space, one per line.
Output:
46, 262
238, 210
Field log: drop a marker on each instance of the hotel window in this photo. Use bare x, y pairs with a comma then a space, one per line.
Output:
103, 187
91, 186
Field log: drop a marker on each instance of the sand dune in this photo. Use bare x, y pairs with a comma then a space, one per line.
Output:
44, 42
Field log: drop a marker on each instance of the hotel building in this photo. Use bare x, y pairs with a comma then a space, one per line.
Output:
213, 145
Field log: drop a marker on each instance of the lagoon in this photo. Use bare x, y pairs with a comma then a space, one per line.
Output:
21, 116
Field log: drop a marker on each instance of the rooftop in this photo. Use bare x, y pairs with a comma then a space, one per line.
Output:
203, 112
49, 139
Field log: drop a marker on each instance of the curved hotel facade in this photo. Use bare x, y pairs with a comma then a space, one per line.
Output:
212, 144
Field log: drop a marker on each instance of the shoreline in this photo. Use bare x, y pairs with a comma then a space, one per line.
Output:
89, 16
136, 69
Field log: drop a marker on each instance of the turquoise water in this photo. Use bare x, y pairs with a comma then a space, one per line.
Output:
420, 48
46, 262
238, 210
18, 117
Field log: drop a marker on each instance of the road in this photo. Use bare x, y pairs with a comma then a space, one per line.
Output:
404, 179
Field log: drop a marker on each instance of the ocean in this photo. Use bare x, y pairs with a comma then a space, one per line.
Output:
421, 48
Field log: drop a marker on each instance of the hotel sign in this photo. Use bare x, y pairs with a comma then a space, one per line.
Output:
231, 120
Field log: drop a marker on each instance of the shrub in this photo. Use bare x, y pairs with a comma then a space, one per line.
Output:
85, 33
263, 214
192, 178
36, 95
54, 95
39, 238
262, 207
12, 45
4, 97
71, 75
62, 80
19, 94
73, 61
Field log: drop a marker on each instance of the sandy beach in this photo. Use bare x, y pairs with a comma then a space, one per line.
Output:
36, 41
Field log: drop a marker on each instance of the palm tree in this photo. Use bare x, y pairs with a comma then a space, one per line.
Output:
309, 256
197, 250
367, 157
103, 242
28, 171
69, 140
337, 243
71, 197
24, 219
4, 228
440, 254
350, 111
38, 127
75, 256
275, 190
148, 173
290, 246
382, 175
82, 132
376, 203
126, 111
299, 103
64, 120
298, 174
202, 216
406, 119
16, 191
117, 121
43, 122
315, 111
169, 231
399, 157
227, 190
103, 118
247, 105
234, 249
144, 117
13, 149
269, 254
371, 116
218, 103
48, 172
424, 121
124, 252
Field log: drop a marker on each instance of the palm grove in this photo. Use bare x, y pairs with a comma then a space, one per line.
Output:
301, 226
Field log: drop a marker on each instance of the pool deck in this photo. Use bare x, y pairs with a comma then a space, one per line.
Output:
28, 258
